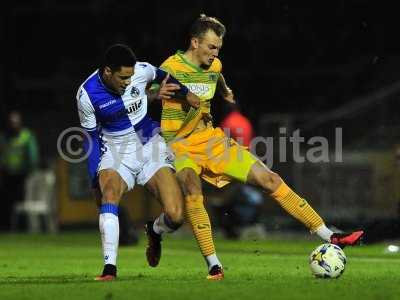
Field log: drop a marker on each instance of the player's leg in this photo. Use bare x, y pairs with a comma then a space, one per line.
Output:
296, 206
157, 176
197, 216
272, 183
112, 186
164, 186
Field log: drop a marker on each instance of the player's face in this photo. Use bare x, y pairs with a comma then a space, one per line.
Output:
118, 80
208, 47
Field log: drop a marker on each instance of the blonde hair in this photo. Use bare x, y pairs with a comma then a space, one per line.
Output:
205, 23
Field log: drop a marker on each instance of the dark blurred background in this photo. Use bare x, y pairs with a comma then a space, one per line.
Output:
279, 56
311, 65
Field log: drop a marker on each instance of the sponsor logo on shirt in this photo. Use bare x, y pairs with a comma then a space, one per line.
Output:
135, 107
199, 89
132, 109
108, 103
213, 77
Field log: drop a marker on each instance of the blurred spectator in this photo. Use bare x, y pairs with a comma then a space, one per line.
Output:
235, 207
18, 158
237, 125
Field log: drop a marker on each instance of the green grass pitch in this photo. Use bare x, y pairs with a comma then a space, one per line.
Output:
63, 267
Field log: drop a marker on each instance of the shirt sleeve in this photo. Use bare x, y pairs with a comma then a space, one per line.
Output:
148, 70
91, 143
160, 76
86, 111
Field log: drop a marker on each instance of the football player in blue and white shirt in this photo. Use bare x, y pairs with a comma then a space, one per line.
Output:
124, 147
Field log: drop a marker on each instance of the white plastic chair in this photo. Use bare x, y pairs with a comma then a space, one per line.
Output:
38, 202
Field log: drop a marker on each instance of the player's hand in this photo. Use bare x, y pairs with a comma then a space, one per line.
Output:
208, 118
167, 90
229, 96
193, 100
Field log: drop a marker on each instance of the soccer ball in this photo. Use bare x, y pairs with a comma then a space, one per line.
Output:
327, 261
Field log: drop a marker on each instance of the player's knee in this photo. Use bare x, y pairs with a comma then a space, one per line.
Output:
189, 181
175, 215
270, 181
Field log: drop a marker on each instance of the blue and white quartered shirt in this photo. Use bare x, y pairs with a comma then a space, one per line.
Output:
103, 112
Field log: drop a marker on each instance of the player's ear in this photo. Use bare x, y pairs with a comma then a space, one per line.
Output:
194, 42
107, 71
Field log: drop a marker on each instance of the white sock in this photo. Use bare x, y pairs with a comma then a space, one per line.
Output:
324, 233
109, 229
160, 226
212, 260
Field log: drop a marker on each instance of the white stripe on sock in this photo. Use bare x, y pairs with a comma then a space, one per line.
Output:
324, 233
159, 225
212, 260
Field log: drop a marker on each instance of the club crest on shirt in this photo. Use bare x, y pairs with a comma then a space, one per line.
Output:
213, 77
135, 92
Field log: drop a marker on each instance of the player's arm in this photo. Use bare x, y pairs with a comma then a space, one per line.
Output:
164, 90
91, 141
153, 92
224, 90
169, 86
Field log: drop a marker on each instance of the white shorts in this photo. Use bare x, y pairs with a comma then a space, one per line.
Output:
134, 162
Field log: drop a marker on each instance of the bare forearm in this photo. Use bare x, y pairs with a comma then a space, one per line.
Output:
222, 86
224, 90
